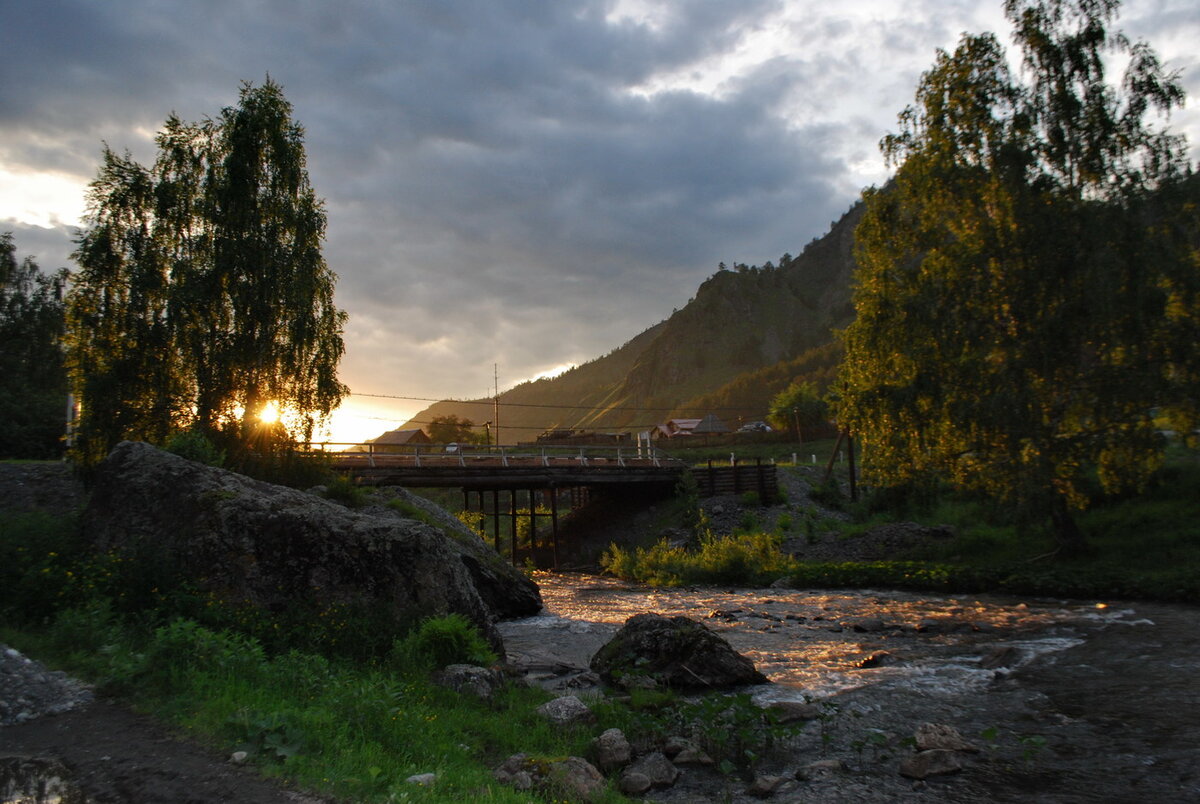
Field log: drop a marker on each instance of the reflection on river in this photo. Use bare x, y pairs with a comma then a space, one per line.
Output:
818, 643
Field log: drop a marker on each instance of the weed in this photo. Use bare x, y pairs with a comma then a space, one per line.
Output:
342, 489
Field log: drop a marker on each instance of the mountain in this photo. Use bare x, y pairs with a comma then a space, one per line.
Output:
747, 333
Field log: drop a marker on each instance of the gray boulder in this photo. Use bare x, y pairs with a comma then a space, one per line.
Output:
249, 543
676, 652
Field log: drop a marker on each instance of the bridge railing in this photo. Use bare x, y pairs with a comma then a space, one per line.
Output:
468, 454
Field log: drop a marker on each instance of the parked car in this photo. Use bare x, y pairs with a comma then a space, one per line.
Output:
755, 427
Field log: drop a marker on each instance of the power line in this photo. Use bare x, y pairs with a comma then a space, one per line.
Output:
533, 405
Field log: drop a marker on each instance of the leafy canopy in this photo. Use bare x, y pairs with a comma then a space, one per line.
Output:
33, 387
1027, 283
202, 297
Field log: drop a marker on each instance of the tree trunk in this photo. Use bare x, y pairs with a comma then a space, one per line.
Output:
1070, 538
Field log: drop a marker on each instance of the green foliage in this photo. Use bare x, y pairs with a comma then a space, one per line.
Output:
33, 380
746, 559
439, 641
1027, 282
797, 408
450, 429
344, 490
195, 446
202, 297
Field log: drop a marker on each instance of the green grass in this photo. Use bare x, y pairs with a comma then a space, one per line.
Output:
351, 730
1140, 547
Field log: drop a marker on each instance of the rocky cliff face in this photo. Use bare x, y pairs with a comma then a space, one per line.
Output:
251, 543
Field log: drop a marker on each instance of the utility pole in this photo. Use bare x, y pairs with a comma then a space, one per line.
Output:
496, 401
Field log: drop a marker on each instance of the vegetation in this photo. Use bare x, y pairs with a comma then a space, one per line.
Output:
202, 299
1142, 546
798, 408
1027, 299
33, 381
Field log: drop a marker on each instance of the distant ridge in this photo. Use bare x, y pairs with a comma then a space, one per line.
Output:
746, 335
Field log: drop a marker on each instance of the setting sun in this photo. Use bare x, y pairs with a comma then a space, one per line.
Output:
269, 414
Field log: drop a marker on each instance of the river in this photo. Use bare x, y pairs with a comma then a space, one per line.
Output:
1068, 700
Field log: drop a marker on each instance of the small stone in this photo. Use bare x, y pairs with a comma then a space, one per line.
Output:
1001, 656
237, 757
765, 786
792, 711
934, 762
566, 711
611, 750
820, 768
422, 779
633, 783
657, 768
936, 735
576, 777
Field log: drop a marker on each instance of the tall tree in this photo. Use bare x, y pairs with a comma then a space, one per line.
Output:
33, 386
1023, 294
203, 297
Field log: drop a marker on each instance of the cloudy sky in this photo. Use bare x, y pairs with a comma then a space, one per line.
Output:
524, 184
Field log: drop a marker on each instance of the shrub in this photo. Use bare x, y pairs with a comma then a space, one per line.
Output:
439, 641
341, 489
195, 446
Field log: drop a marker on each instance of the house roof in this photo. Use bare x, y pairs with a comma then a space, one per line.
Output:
710, 424
398, 437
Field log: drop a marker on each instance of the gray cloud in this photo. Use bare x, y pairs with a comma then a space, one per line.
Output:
501, 186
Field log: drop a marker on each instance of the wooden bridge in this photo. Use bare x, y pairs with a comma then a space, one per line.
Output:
524, 484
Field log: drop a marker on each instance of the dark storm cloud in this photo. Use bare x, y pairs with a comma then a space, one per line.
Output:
505, 181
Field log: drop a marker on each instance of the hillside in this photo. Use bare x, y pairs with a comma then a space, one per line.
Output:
747, 333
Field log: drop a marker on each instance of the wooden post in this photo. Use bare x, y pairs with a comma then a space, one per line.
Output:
554, 523
850, 458
833, 455
512, 510
496, 519
532, 523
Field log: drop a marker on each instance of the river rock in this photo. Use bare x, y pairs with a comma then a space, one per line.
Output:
934, 762
566, 711
683, 751
254, 544
611, 751
937, 735
572, 777
482, 682
677, 652
765, 786
657, 768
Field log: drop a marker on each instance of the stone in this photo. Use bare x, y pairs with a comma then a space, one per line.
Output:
482, 682
792, 711
657, 768
632, 783
256, 545
566, 711
573, 777
880, 658
820, 768
238, 757
936, 735
677, 652
765, 786
867, 625
1001, 656
682, 751
934, 762
422, 779
611, 751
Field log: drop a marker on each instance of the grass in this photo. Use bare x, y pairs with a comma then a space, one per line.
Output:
1140, 547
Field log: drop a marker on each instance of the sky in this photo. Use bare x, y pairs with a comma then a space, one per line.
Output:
512, 186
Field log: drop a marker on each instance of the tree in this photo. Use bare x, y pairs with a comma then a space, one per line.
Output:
1026, 283
451, 429
797, 407
33, 387
202, 297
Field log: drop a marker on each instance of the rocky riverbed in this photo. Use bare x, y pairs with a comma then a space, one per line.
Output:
1066, 701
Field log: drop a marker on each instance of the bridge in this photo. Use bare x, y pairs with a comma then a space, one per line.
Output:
525, 485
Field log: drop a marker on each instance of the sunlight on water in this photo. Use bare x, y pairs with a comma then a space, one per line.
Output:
813, 644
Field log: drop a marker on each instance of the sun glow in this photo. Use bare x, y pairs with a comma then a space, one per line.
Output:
269, 414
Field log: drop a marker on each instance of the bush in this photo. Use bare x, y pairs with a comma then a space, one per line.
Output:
195, 446
745, 559
342, 489
439, 641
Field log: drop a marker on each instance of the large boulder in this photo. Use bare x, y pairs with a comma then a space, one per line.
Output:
249, 543
675, 652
